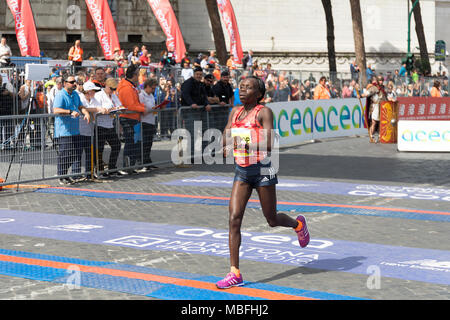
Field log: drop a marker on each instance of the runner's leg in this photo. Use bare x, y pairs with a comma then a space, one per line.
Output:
240, 194
268, 199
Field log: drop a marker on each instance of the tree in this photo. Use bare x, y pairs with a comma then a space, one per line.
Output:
330, 38
425, 60
358, 37
219, 39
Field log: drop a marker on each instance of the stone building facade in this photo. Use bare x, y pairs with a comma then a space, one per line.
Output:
288, 34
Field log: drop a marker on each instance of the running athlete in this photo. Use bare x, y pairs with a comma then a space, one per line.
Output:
249, 133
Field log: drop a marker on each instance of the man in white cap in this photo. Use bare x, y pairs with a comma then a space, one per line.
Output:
93, 106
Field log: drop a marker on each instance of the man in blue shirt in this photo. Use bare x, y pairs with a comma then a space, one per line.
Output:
369, 73
67, 105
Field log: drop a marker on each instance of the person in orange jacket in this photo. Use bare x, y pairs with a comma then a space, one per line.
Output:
129, 96
76, 54
321, 91
436, 89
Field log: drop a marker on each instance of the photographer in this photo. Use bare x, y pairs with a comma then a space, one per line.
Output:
5, 53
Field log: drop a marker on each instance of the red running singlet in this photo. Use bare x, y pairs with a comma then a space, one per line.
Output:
245, 132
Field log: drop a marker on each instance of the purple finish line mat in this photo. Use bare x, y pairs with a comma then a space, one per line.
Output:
326, 187
426, 265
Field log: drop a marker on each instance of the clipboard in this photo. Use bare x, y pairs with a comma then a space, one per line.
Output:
117, 110
162, 104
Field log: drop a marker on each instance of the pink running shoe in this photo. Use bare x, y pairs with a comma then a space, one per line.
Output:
303, 234
231, 280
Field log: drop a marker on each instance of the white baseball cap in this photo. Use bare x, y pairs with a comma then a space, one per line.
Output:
87, 86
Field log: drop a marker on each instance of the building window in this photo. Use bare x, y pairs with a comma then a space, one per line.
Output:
113, 7
71, 38
135, 38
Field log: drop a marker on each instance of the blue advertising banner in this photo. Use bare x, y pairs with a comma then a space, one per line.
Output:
406, 263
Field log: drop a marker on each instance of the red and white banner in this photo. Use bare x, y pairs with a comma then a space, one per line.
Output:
104, 24
423, 108
228, 17
25, 28
166, 17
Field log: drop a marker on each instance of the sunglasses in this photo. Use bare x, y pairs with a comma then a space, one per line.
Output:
71, 82
113, 89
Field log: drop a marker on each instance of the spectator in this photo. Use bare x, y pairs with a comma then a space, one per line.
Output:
415, 76
397, 78
212, 59
247, 61
391, 95
76, 55
119, 59
168, 62
308, 86
87, 138
128, 95
369, 72
133, 57
161, 92
295, 90
143, 47
185, 59
193, 94
25, 95
402, 71
270, 92
52, 93
216, 72
145, 57
231, 65
142, 77
204, 63
347, 91
321, 91
5, 53
444, 90
168, 116
198, 60
68, 107
282, 93
224, 91
187, 71
106, 132
416, 90
208, 82
147, 97
257, 70
436, 89
354, 70
99, 77
334, 93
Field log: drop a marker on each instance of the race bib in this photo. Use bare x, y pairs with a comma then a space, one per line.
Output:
241, 139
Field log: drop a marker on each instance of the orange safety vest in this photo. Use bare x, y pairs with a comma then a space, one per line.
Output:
76, 54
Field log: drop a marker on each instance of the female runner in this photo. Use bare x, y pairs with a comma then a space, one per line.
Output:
249, 133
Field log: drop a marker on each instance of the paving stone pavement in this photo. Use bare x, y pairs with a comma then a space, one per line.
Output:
346, 160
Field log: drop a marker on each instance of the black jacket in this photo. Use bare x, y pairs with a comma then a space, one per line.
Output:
193, 91
224, 91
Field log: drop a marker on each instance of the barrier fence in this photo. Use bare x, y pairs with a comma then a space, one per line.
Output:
110, 145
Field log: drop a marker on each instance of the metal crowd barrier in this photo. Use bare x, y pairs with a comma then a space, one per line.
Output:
30, 152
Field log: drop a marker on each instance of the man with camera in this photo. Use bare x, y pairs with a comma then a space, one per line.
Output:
5, 53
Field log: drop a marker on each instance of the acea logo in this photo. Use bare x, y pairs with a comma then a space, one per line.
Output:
306, 120
426, 135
